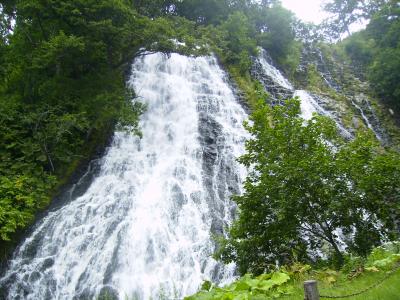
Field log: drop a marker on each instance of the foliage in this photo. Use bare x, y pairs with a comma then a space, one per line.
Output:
356, 275
266, 286
252, 89
347, 12
248, 24
204, 12
21, 196
359, 48
302, 191
233, 27
314, 79
236, 32
383, 71
385, 256
277, 36
385, 76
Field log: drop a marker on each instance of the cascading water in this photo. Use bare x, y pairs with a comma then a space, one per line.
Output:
312, 55
273, 72
278, 86
376, 128
309, 106
143, 228
326, 70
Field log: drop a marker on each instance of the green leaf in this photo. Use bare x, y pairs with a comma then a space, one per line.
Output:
279, 278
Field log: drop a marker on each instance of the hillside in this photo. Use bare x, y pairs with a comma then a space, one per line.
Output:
123, 114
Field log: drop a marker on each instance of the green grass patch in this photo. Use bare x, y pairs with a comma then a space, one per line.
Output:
377, 277
388, 290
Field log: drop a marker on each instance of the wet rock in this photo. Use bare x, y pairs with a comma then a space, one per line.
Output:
47, 263
108, 293
178, 196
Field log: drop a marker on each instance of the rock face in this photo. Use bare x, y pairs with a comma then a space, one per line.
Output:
362, 103
280, 88
312, 55
342, 93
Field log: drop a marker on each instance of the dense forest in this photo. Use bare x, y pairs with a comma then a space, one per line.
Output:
63, 67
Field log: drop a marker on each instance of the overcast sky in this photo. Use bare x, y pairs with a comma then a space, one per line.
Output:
310, 11
306, 10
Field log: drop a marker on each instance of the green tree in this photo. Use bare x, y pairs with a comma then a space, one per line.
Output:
203, 12
360, 48
347, 12
276, 31
383, 70
375, 51
304, 193
237, 32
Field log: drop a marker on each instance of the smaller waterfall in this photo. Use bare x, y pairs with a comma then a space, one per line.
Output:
273, 72
375, 129
322, 67
330, 72
309, 106
280, 88
314, 56
277, 86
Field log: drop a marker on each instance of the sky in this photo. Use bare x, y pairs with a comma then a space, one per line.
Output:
311, 11
306, 10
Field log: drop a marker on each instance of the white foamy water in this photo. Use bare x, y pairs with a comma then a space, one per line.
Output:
309, 105
143, 227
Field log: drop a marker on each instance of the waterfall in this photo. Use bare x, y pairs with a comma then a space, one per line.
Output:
376, 128
310, 105
280, 89
277, 86
271, 71
143, 228
312, 55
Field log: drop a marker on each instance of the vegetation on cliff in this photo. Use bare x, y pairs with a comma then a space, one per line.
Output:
375, 51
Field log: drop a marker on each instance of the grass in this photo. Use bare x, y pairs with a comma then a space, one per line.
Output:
388, 290
376, 277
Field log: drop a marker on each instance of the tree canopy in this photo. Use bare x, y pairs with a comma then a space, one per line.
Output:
307, 189
347, 12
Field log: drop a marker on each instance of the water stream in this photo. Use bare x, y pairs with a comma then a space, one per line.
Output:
280, 88
375, 129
